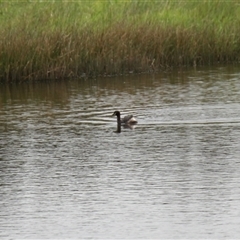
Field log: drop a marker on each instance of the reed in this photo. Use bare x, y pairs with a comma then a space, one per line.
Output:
56, 40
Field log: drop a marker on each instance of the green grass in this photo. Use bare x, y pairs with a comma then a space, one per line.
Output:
55, 40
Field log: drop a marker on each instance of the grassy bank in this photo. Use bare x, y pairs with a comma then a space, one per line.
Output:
49, 40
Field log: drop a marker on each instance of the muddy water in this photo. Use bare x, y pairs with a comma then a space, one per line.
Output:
65, 173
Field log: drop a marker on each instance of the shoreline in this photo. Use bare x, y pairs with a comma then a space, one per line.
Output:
74, 40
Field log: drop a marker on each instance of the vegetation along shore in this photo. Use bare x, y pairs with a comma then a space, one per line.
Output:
56, 40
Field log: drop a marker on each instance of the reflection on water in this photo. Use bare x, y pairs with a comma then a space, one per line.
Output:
65, 173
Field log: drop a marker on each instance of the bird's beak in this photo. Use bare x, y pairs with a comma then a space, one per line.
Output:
113, 115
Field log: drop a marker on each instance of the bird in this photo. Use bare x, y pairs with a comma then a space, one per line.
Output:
127, 120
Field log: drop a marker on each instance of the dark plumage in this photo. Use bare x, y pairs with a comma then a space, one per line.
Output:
127, 120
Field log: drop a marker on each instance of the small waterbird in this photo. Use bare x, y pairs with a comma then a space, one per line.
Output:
127, 120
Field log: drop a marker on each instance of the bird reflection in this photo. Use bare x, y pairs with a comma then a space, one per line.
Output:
118, 128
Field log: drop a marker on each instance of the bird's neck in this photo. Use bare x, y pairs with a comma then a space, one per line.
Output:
118, 119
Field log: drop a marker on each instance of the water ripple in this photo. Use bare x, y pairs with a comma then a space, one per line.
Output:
65, 173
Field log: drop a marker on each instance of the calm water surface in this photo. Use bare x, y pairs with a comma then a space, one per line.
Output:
65, 173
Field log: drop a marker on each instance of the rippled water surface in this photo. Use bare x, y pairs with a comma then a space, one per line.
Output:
65, 173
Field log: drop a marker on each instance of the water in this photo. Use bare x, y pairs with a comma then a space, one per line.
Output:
65, 173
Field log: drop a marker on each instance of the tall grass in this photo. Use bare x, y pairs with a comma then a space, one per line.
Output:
53, 40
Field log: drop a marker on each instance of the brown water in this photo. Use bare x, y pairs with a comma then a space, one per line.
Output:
65, 173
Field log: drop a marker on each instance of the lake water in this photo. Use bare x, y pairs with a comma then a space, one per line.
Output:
66, 173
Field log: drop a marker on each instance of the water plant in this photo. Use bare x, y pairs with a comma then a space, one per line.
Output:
55, 40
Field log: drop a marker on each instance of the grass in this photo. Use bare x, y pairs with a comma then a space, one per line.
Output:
55, 40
